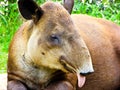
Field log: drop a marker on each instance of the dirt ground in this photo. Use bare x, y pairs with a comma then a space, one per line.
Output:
3, 81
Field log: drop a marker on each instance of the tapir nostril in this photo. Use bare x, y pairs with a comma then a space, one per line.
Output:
84, 74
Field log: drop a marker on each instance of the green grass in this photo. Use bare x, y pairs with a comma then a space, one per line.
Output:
3, 61
10, 21
106, 11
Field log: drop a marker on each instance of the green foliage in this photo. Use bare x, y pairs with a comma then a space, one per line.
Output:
3, 61
9, 23
10, 20
102, 1
106, 11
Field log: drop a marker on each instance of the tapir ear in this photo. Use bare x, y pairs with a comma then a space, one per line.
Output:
30, 10
68, 4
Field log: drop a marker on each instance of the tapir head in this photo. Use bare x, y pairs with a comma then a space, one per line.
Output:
53, 40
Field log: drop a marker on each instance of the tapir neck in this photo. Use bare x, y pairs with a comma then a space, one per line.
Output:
37, 76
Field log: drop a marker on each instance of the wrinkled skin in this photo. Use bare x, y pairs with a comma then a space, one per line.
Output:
53, 46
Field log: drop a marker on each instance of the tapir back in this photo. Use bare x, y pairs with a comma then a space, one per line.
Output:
103, 40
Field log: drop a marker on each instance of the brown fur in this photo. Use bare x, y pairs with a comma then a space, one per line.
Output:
102, 39
34, 63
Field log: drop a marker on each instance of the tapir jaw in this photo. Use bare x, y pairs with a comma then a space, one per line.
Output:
80, 71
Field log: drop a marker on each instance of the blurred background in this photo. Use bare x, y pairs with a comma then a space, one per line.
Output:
10, 19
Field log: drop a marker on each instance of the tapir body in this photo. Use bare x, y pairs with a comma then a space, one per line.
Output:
52, 48
102, 39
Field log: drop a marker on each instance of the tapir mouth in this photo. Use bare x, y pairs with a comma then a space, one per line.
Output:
80, 76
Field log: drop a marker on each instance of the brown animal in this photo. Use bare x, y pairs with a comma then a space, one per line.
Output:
54, 50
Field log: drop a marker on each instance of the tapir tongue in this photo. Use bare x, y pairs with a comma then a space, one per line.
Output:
81, 80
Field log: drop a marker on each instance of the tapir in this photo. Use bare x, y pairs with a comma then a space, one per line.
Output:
57, 50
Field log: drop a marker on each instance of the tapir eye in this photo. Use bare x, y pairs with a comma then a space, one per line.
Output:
55, 39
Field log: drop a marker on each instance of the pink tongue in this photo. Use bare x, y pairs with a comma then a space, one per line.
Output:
81, 80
